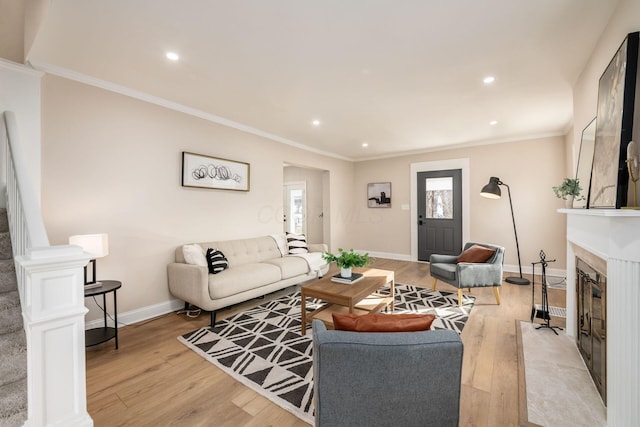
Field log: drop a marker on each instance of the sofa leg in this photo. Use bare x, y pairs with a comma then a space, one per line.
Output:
496, 292
433, 286
213, 318
459, 297
186, 306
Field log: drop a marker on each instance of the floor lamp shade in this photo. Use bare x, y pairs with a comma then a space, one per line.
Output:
97, 245
492, 191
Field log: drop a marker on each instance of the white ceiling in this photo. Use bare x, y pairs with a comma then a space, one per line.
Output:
401, 75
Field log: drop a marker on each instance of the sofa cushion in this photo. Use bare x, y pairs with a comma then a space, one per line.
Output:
216, 261
380, 322
446, 271
194, 254
297, 243
476, 253
290, 266
242, 278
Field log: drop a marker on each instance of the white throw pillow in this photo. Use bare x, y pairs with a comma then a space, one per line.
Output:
194, 254
281, 241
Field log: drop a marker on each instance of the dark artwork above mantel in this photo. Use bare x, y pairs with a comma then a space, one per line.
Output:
614, 127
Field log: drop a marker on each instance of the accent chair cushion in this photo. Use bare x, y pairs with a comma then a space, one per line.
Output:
380, 322
194, 254
476, 253
216, 261
297, 243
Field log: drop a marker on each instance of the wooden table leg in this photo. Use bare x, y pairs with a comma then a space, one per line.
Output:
393, 295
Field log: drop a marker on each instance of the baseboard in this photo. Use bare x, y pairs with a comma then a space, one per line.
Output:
526, 269
151, 311
139, 315
389, 255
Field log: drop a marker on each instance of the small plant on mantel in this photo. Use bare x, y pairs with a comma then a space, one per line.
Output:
570, 188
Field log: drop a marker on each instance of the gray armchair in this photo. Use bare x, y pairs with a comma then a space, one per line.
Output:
386, 378
468, 275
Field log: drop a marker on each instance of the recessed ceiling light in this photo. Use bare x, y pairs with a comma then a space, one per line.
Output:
488, 80
365, 144
172, 56
493, 122
316, 122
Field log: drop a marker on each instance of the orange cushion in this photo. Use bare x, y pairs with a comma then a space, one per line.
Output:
379, 322
476, 253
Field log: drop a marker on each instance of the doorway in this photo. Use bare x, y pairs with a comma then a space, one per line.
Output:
463, 164
308, 188
439, 213
295, 207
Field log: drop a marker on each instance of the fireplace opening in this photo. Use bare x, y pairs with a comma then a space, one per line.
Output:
591, 286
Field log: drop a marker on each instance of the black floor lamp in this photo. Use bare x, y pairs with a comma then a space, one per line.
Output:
492, 191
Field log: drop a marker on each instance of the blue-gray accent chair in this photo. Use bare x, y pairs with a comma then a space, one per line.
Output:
386, 378
467, 274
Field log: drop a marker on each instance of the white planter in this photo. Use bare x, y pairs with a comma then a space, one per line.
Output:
569, 202
345, 272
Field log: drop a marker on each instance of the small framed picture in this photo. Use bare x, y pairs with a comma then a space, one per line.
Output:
379, 195
213, 172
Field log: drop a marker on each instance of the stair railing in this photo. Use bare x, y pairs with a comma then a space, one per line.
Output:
50, 284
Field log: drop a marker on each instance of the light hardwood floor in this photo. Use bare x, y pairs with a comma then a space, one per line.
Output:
153, 380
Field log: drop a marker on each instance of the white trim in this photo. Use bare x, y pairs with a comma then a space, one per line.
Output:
462, 164
16, 66
389, 255
455, 146
139, 314
152, 99
526, 269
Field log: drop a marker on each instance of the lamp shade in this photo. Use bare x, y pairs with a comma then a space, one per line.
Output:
492, 189
95, 244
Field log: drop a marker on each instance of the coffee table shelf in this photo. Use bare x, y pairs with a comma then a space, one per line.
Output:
359, 298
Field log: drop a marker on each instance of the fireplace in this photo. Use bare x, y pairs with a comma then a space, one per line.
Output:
591, 287
607, 241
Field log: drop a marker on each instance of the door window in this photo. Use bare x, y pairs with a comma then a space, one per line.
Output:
439, 198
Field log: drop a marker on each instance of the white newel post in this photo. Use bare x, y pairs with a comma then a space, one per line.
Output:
53, 312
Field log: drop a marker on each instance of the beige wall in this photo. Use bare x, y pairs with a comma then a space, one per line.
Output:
12, 30
626, 19
112, 164
530, 168
315, 217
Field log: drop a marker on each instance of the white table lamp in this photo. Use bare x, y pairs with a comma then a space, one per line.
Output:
97, 245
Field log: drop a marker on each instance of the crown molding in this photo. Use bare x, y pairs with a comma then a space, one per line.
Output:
152, 99
454, 146
16, 66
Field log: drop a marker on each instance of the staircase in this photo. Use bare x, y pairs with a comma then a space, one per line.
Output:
13, 347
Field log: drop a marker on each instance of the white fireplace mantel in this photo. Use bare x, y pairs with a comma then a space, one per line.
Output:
614, 236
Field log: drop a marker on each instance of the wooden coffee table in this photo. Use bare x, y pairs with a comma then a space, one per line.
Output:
359, 297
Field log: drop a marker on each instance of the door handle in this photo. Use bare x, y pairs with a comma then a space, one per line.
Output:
420, 222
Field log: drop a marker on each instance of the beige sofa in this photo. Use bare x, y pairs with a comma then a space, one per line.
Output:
257, 267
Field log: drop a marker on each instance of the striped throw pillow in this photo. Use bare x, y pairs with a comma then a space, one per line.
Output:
216, 261
297, 243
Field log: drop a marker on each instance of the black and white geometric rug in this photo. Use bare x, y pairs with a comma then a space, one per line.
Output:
263, 349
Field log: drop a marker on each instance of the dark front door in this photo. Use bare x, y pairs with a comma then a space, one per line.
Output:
439, 213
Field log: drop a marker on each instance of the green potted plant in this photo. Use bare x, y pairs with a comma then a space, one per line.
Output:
569, 190
347, 260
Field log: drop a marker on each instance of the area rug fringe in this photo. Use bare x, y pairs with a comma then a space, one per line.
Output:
263, 349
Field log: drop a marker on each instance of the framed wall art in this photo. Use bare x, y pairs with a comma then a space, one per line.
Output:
213, 172
585, 164
614, 127
379, 195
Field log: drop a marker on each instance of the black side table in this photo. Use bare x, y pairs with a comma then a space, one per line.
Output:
99, 335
